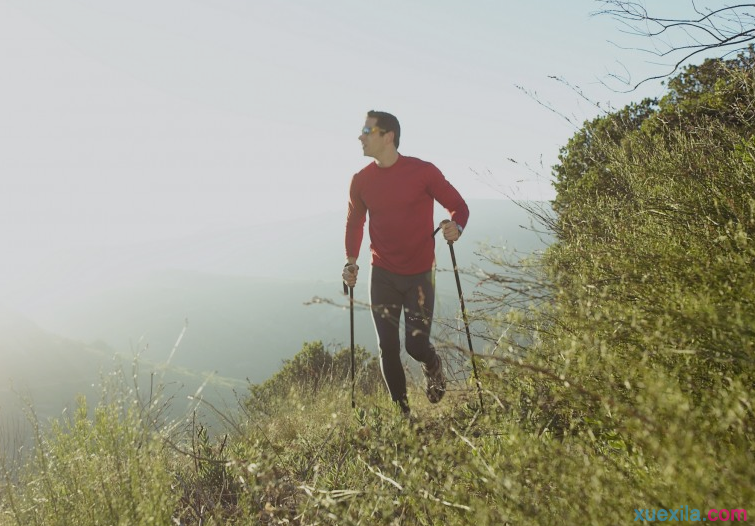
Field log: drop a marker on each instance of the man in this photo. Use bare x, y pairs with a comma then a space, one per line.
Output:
399, 193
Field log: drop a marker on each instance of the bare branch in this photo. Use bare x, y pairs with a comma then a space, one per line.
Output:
724, 30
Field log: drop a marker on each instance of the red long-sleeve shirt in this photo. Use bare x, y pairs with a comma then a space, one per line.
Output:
400, 201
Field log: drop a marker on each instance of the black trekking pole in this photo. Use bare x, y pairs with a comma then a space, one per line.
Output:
350, 291
464, 315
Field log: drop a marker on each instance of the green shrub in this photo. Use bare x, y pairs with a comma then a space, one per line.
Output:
643, 360
100, 466
310, 371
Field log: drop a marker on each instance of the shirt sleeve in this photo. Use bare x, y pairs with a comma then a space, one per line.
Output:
444, 192
355, 219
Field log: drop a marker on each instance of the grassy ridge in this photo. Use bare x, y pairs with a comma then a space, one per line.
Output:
314, 461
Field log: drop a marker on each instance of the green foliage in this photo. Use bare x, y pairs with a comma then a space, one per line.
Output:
716, 90
100, 468
206, 487
583, 168
309, 372
645, 352
701, 100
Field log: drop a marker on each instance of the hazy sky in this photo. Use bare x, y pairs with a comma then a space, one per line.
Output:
130, 121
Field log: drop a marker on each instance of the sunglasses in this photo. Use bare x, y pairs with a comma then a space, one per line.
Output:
367, 130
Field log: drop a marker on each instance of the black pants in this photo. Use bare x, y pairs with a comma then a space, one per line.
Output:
390, 294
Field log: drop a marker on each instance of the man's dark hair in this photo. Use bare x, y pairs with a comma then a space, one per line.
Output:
387, 122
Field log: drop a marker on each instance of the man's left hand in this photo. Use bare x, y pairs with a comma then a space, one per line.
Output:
450, 230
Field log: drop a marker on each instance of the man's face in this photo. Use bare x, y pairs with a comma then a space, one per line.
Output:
373, 143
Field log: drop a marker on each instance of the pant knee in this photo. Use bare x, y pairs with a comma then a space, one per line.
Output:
420, 349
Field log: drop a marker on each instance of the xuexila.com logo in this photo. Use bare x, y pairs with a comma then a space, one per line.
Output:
685, 513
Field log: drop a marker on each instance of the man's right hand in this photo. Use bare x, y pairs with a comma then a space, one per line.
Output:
350, 271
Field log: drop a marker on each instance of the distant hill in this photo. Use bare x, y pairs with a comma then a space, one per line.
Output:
300, 249
241, 295
47, 372
244, 291
41, 366
235, 325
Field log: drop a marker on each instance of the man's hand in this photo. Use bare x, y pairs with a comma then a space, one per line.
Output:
451, 231
350, 271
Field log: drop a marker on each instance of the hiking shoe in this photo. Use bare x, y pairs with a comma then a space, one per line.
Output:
435, 382
404, 406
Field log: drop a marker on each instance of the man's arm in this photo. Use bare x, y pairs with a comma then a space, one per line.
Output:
355, 219
445, 193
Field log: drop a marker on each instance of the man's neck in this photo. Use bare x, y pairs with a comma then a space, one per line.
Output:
388, 159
